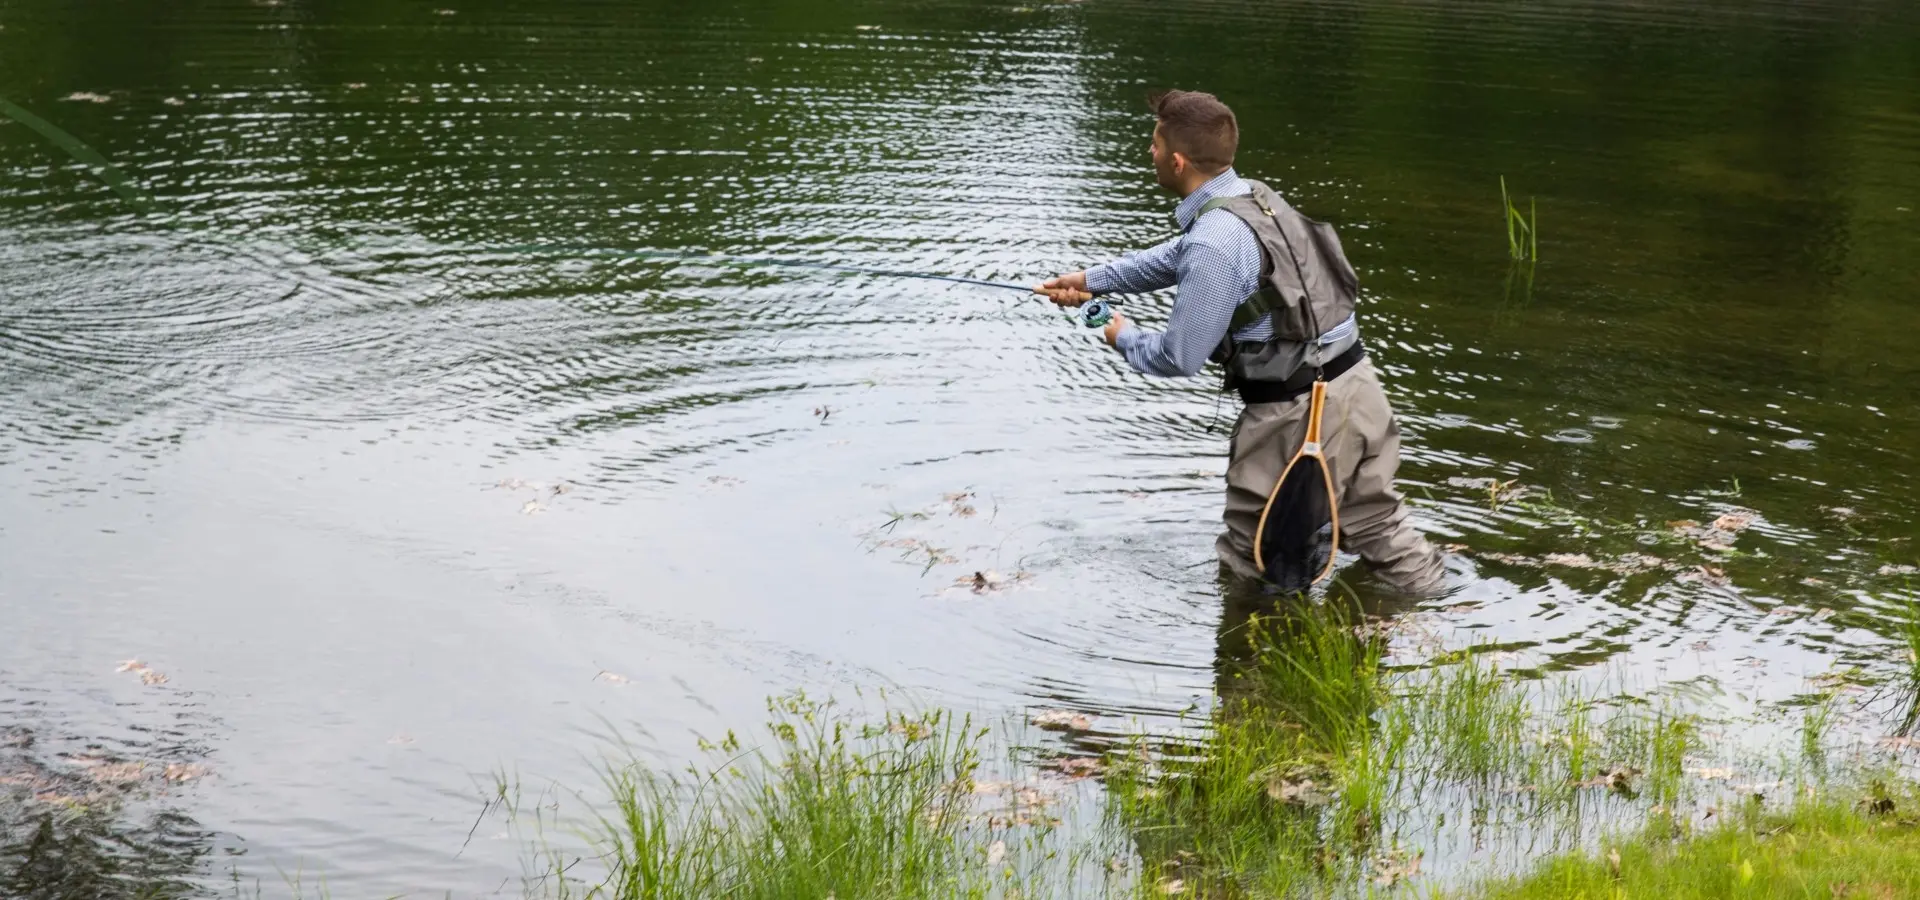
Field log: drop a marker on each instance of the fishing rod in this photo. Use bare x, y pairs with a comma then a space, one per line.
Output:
1093, 314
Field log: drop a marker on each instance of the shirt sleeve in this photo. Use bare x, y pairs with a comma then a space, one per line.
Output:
1202, 312
1151, 269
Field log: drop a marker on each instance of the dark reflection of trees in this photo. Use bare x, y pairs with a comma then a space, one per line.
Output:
47, 854
89, 824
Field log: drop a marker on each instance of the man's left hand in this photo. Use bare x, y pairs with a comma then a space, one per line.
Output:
1114, 328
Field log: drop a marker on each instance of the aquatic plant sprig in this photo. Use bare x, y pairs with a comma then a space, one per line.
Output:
1523, 233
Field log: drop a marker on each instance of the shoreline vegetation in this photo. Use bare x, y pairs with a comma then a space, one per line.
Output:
1342, 757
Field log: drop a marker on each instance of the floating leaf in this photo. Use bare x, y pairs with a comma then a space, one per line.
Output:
87, 97
1396, 867
610, 677
532, 508
184, 772
1733, 521
1061, 720
1079, 766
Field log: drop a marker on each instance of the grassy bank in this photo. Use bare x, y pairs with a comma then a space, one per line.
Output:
1822, 848
1335, 762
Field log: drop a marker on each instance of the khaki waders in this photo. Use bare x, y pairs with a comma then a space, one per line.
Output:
1362, 443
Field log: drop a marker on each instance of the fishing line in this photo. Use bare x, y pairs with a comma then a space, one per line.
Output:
1093, 314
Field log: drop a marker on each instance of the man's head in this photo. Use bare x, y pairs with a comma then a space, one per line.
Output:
1193, 140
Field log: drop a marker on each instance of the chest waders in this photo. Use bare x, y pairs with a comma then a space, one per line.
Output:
1305, 279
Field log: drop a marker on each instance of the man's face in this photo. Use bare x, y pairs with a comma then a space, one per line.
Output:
1164, 167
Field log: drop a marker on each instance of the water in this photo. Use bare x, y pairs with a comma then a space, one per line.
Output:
278, 440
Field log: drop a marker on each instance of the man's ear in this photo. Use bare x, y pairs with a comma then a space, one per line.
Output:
1181, 163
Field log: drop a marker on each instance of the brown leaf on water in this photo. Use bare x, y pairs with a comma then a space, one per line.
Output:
1301, 791
1061, 720
151, 678
1572, 560
179, 773
1708, 575
1702, 646
996, 852
1733, 522
117, 774
1080, 766
957, 496
1786, 610
1396, 867
131, 665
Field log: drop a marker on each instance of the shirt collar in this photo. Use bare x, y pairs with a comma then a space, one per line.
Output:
1225, 184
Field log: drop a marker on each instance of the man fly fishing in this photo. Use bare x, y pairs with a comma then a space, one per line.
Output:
1270, 296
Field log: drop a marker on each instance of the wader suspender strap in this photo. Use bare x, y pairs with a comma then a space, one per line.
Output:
1262, 302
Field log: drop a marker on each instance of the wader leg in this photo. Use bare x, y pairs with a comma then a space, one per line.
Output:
1362, 441
1373, 516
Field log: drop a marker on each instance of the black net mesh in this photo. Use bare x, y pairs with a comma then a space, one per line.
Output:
1297, 541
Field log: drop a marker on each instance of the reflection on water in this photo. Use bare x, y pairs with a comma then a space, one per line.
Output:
283, 434
98, 818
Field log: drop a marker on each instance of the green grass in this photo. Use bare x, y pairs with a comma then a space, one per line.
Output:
1826, 848
1523, 235
823, 804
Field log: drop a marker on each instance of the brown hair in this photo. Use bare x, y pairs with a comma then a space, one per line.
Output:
1197, 126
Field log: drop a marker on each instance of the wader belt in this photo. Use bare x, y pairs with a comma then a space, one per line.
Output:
1302, 381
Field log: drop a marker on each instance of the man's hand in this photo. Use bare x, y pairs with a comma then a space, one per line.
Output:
1114, 328
1067, 290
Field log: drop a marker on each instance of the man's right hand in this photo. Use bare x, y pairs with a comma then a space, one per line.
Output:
1067, 290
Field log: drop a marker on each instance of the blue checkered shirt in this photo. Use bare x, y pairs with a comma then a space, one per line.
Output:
1216, 264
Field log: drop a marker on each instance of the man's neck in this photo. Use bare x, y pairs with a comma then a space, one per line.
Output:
1195, 182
